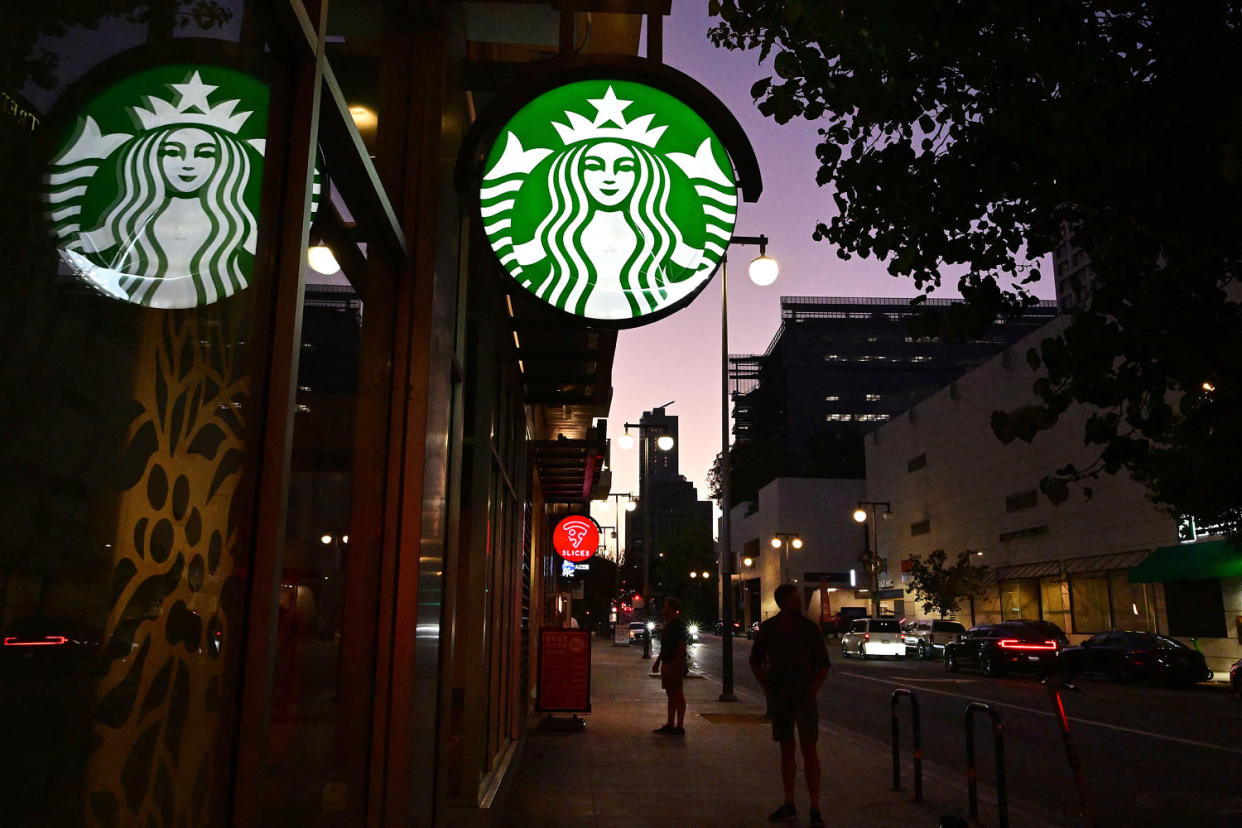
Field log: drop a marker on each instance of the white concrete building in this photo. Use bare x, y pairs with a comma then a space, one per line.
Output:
954, 486
817, 511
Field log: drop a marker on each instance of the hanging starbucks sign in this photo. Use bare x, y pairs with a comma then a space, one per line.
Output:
609, 198
153, 192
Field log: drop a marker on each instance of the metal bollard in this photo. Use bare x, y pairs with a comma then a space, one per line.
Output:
972, 776
917, 739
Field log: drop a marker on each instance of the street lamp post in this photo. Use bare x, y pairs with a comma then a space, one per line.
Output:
763, 271
871, 559
630, 505
664, 442
782, 541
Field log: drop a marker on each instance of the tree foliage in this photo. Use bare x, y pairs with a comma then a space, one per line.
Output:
941, 589
965, 139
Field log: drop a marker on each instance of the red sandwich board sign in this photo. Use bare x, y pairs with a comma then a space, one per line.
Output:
564, 671
576, 538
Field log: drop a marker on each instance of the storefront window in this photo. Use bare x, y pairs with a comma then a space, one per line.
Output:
1129, 603
1019, 599
1053, 603
127, 425
1089, 599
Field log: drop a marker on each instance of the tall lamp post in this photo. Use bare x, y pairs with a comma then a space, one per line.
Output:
664, 442
870, 558
630, 505
763, 271
783, 541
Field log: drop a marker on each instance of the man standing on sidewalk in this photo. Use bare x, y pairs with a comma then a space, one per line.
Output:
790, 662
671, 664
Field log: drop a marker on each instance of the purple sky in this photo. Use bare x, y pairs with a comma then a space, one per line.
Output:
678, 358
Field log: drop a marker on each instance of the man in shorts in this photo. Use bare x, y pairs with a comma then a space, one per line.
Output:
790, 662
671, 665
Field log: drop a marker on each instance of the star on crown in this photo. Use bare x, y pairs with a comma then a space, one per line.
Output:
608, 110
192, 95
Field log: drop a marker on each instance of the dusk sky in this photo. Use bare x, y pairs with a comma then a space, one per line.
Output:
678, 358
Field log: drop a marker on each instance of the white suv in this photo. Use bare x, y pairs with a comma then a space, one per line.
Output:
873, 637
927, 636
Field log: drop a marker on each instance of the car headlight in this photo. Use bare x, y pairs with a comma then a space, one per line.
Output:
694, 630
650, 626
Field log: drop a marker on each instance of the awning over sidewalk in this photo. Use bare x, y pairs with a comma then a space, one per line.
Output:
1186, 562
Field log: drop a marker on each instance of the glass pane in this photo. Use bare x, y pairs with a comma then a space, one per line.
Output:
1129, 603
1089, 595
1053, 602
1019, 599
126, 428
306, 760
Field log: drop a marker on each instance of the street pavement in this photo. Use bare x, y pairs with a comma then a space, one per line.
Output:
724, 772
1151, 755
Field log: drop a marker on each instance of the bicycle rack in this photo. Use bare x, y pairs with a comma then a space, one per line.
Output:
916, 737
972, 776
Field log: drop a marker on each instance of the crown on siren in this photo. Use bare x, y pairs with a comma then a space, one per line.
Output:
608, 111
192, 95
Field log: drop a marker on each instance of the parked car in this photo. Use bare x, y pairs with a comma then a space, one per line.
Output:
753, 630
873, 637
927, 636
719, 628
1009, 645
1121, 655
638, 631
1235, 677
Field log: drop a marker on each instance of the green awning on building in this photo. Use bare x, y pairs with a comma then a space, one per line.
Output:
1189, 561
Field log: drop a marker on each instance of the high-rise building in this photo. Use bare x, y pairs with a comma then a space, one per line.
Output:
669, 510
839, 366
1071, 270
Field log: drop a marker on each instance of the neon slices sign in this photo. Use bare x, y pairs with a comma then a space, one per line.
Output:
609, 199
576, 538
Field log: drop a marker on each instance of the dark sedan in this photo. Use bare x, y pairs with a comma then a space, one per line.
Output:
1009, 645
1122, 656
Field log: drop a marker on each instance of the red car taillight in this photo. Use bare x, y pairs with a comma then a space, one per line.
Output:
46, 641
866, 636
1015, 644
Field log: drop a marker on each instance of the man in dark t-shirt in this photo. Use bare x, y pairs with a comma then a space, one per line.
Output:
671, 665
790, 662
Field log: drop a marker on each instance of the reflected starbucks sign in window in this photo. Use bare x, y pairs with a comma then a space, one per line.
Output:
609, 199
154, 192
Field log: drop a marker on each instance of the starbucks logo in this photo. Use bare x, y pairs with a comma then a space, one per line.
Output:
609, 199
153, 194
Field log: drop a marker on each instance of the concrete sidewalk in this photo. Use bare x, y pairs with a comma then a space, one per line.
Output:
724, 772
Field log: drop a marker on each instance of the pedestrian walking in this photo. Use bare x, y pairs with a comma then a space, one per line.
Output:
790, 662
671, 665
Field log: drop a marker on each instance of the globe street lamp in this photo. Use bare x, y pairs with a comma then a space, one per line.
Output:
870, 559
763, 271
784, 540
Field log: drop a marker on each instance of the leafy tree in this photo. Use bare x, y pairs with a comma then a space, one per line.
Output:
968, 139
940, 588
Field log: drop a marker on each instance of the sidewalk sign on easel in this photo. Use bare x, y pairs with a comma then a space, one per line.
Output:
564, 679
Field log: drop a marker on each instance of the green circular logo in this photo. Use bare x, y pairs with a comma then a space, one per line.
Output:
154, 192
609, 199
